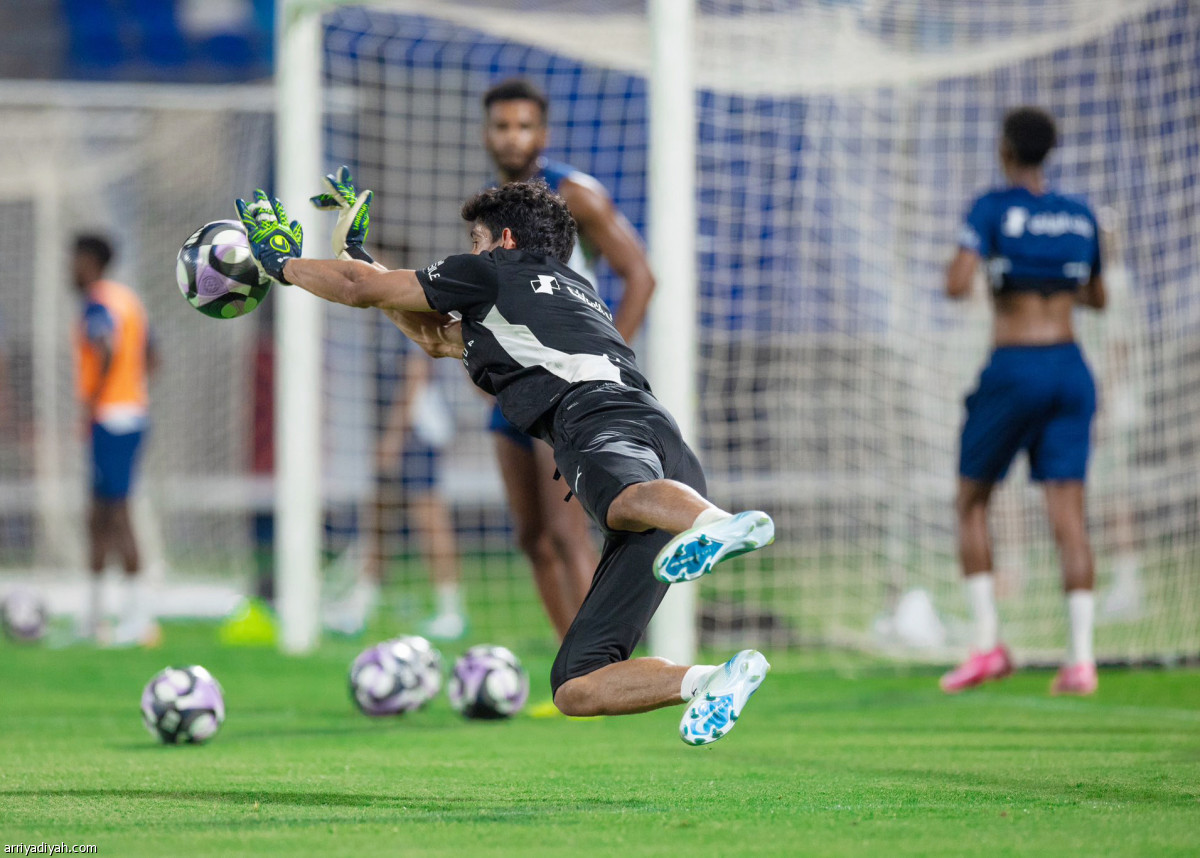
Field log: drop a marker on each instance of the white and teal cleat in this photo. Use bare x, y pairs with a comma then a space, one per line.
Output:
715, 709
693, 553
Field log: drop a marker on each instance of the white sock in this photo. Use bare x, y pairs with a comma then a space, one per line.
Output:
449, 601
1125, 570
1081, 611
136, 610
694, 678
710, 515
981, 595
95, 607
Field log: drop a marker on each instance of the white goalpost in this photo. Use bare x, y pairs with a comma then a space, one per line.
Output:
672, 330
671, 343
298, 158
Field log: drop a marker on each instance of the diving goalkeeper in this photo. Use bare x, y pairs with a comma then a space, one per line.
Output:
536, 335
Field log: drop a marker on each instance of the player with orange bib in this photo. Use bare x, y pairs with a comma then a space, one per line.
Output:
114, 358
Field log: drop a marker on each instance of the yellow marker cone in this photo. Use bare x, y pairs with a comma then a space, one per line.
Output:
252, 623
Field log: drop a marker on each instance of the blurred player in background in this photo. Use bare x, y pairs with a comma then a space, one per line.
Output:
417, 427
535, 335
552, 534
1042, 254
114, 359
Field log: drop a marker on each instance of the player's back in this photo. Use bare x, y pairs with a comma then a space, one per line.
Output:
1042, 243
532, 327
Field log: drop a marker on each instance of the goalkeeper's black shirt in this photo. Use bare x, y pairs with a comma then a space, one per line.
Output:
532, 328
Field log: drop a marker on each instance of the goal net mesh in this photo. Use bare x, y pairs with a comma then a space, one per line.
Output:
839, 144
144, 166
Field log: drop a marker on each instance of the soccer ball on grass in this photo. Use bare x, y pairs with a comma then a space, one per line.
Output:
488, 682
395, 676
23, 615
183, 704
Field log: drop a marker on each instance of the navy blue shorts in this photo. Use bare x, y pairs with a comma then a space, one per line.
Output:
500, 425
114, 458
1040, 399
418, 468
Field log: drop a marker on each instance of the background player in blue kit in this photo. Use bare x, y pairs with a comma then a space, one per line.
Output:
552, 534
1042, 256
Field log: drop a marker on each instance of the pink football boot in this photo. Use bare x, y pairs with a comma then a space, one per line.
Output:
1079, 679
981, 667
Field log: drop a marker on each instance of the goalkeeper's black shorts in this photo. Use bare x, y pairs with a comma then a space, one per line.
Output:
607, 437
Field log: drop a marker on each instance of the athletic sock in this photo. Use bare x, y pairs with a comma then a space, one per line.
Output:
694, 678
136, 611
95, 608
709, 516
448, 599
981, 595
1081, 611
1125, 570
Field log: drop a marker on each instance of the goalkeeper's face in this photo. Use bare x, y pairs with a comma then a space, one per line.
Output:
514, 134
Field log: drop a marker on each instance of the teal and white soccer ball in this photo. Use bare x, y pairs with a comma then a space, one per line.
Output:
216, 271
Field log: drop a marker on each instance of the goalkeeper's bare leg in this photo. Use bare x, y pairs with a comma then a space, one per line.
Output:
644, 521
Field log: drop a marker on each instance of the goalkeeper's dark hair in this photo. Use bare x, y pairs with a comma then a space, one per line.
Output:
96, 246
536, 216
1031, 134
517, 89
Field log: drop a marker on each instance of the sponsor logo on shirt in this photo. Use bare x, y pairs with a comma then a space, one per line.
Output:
432, 271
1018, 221
1014, 221
546, 284
598, 306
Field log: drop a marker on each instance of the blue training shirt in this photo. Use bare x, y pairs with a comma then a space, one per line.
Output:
1045, 244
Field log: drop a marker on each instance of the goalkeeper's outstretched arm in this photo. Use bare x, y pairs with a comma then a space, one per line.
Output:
358, 281
397, 293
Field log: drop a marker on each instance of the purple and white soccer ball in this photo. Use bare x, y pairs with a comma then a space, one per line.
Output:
395, 676
488, 682
23, 615
431, 665
216, 271
183, 704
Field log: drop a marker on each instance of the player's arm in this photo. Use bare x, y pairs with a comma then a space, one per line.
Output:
99, 329
614, 237
974, 244
357, 284
397, 293
960, 273
1092, 294
276, 245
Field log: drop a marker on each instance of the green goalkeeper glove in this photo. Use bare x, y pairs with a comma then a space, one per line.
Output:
354, 214
273, 241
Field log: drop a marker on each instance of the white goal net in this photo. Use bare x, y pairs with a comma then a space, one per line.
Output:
145, 166
838, 146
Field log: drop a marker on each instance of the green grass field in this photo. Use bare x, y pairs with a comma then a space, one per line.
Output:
835, 756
